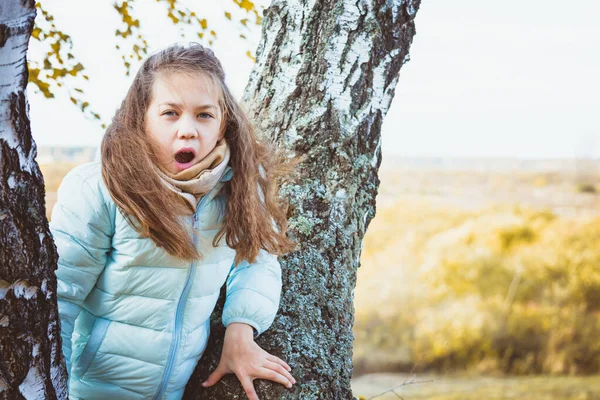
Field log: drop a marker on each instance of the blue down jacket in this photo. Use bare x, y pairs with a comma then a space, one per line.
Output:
134, 319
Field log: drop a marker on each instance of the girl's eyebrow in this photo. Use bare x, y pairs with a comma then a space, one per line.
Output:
200, 107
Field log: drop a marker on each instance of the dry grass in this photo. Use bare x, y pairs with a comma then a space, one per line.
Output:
441, 256
53, 176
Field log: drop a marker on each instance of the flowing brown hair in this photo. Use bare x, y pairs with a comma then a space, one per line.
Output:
255, 217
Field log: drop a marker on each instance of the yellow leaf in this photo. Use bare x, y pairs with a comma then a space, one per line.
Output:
45, 88
248, 5
36, 33
55, 47
244, 21
227, 15
249, 54
245, 4
173, 17
58, 72
33, 74
203, 23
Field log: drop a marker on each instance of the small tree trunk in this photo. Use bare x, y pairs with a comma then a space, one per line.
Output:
31, 364
325, 75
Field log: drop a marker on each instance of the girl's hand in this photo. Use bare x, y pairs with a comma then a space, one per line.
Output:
243, 357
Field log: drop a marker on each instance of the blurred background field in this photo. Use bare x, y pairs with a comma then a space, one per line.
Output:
486, 267
489, 268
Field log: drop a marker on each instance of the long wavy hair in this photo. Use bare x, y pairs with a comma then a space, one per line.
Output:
255, 216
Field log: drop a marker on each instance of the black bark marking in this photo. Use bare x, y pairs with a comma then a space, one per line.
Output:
3, 34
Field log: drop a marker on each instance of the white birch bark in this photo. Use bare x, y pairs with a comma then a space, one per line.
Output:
30, 356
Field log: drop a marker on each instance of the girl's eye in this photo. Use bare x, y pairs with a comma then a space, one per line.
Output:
205, 115
170, 113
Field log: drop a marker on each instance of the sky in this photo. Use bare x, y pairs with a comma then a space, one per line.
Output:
516, 78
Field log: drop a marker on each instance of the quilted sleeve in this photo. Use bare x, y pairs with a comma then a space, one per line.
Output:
81, 226
253, 292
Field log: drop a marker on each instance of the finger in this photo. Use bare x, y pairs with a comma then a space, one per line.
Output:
248, 387
214, 377
266, 373
279, 361
278, 368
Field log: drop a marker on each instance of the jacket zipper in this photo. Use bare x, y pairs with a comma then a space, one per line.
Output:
181, 305
178, 319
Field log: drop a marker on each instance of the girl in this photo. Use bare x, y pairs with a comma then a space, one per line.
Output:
183, 201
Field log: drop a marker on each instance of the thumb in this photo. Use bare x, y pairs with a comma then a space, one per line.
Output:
214, 377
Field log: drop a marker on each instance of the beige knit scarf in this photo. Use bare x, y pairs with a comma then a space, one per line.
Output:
193, 183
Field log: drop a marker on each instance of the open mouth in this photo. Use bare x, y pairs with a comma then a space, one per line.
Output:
184, 156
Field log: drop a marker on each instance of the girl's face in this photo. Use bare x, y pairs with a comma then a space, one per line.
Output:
183, 120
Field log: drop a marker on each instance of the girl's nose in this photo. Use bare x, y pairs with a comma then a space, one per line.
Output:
187, 129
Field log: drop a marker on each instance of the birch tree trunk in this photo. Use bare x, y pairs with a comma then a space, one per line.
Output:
325, 75
30, 357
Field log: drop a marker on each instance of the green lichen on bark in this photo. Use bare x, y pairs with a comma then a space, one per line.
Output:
301, 224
